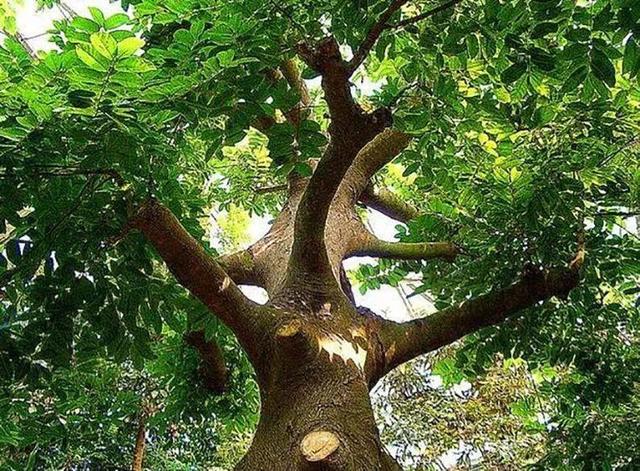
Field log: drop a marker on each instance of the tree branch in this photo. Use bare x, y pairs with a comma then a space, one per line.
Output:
346, 115
25, 44
240, 266
263, 190
375, 155
350, 130
213, 371
374, 247
138, 451
405, 341
426, 14
293, 77
388, 203
196, 270
309, 259
373, 35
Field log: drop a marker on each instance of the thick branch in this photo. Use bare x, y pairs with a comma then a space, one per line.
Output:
213, 371
240, 266
325, 58
374, 247
388, 203
194, 268
405, 341
293, 77
309, 259
350, 130
375, 155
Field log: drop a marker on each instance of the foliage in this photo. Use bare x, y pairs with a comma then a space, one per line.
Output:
77, 417
493, 420
525, 114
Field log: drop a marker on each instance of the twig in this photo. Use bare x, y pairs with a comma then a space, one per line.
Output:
71, 172
270, 189
373, 35
70, 11
426, 14
382, 24
23, 42
630, 143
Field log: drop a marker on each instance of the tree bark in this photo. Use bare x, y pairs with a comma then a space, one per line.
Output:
138, 452
316, 413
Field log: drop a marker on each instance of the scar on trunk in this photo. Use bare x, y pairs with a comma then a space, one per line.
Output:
225, 283
319, 445
336, 345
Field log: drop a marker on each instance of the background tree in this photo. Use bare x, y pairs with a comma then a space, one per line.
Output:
513, 124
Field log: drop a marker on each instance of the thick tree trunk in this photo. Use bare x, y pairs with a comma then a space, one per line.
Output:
319, 423
316, 412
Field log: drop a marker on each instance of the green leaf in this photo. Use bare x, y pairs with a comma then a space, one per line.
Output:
578, 35
411, 169
115, 21
448, 371
13, 133
631, 61
514, 72
473, 46
128, 47
183, 36
97, 15
85, 24
81, 98
31, 461
13, 251
304, 169
134, 64
575, 79
89, 60
542, 29
575, 52
104, 44
542, 59
226, 57
602, 67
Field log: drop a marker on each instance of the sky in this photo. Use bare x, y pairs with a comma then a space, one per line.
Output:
386, 301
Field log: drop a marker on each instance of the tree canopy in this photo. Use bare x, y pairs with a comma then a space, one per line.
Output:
516, 124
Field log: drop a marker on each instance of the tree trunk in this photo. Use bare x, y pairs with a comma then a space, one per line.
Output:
316, 412
138, 452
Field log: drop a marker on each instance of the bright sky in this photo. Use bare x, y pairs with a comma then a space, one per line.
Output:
387, 301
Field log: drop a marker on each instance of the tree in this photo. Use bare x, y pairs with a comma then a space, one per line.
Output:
514, 126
